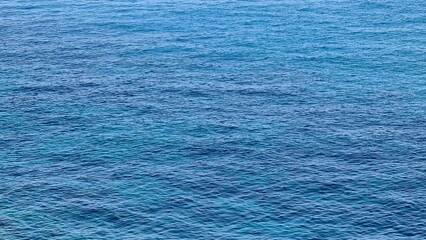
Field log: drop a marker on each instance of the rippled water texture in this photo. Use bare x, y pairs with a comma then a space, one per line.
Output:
255, 119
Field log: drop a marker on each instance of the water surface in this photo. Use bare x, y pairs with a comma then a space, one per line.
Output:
212, 119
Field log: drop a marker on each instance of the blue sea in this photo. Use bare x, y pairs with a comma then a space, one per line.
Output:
173, 119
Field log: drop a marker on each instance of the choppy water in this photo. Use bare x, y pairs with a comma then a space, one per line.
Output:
212, 119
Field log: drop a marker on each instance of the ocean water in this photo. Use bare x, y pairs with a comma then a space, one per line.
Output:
256, 119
